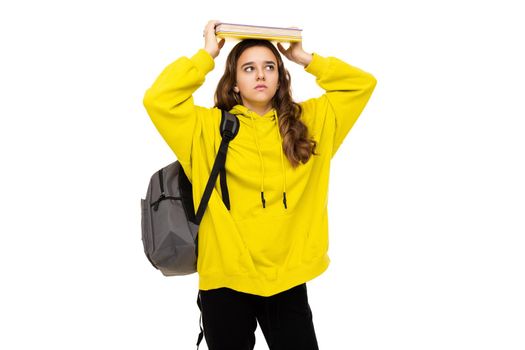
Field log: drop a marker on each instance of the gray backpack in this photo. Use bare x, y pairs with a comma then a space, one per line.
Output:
169, 223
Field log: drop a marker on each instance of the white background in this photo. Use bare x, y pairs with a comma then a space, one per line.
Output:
427, 208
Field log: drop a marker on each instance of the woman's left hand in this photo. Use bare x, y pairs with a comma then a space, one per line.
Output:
295, 53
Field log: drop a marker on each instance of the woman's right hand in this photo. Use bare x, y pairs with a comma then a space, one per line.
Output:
210, 40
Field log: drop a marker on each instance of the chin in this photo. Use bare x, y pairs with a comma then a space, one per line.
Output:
259, 100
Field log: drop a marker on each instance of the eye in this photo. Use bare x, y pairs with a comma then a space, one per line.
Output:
248, 67
271, 66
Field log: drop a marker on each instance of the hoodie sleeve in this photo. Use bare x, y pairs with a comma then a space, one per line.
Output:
169, 103
348, 90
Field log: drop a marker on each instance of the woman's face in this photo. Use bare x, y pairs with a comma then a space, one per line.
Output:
257, 77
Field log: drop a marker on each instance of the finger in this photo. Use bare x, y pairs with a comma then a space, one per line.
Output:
211, 22
209, 33
210, 25
284, 49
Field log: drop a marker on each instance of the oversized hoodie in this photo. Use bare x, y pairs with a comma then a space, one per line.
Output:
275, 235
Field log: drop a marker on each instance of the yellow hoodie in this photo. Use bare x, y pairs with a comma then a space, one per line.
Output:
275, 235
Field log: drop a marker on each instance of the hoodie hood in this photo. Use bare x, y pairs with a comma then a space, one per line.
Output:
243, 112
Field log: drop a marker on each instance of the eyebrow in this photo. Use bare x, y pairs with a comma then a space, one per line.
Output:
251, 62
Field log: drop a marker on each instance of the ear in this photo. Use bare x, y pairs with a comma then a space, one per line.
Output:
236, 89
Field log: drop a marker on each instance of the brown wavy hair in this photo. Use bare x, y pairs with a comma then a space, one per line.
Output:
297, 146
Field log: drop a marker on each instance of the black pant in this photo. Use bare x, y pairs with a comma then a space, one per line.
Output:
230, 319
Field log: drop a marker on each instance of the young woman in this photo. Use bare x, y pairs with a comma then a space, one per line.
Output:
254, 259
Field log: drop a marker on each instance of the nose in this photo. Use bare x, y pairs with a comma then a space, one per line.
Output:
260, 75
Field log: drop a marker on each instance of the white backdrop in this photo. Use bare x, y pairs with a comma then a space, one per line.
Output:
426, 193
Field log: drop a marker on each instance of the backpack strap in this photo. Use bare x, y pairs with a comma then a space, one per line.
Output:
229, 128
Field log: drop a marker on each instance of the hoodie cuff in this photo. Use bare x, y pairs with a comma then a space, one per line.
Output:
318, 65
203, 61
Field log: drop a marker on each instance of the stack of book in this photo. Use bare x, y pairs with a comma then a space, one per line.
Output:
245, 31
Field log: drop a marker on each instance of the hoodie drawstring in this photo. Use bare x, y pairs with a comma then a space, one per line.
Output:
282, 160
262, 161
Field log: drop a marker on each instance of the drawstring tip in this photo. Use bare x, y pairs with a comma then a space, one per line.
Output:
284, 200
263, 200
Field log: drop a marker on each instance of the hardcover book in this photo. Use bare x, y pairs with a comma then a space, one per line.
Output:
245, 31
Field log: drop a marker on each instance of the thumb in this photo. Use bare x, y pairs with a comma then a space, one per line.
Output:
282, 49
221, 43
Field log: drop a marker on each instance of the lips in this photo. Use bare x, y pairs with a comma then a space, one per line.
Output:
260, 87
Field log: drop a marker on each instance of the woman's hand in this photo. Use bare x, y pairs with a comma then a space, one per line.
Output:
210, 40
295, 53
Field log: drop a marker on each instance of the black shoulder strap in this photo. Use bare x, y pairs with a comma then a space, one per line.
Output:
229, 128
229, 123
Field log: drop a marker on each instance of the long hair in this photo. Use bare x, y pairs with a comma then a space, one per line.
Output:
297, 146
